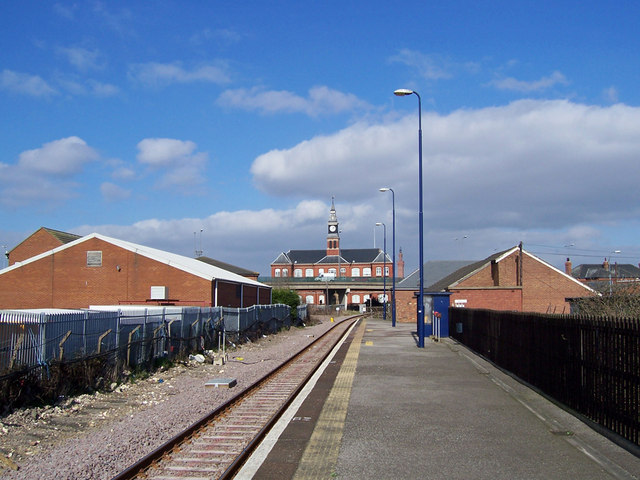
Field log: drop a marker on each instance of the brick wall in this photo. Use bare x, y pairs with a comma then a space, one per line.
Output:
40, 242
63, 280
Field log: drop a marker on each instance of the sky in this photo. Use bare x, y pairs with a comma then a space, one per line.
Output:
228, 127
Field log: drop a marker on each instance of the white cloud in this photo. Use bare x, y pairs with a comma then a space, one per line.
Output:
82, 58
62, 157
510, 83
45, 175
26, 84
183, 167
530, 164
321, 100
156, 74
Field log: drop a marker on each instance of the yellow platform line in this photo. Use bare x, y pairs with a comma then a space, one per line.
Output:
321, 454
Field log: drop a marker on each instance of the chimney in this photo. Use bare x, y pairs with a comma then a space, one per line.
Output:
567, 267
605, 264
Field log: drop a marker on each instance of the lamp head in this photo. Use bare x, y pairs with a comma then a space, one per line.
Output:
384, 189
378, 224
401, 92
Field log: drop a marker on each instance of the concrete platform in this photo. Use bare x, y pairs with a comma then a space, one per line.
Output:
385, 409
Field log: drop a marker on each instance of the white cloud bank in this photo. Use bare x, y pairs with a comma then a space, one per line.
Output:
545, 172
530, 164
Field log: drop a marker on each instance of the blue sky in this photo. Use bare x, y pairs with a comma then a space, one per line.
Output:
228, 127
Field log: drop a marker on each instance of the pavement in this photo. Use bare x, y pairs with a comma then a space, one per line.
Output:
382, 408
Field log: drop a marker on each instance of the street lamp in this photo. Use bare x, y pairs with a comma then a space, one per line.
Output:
384, 272
401, 93
393, 287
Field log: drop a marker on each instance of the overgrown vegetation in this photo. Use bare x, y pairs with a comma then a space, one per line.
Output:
286, 296
622, 301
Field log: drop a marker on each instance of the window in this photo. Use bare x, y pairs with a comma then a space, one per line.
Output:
386, 271
309, 299
277, 272
366, 272
378, 271
94, 258
297, 273
320, 270
355, 272
321, 299
285, 272
308, 272
343, 271
355, 298
332, 270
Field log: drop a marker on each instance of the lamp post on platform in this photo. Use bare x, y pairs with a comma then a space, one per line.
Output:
384, 271
393, 259
420, 320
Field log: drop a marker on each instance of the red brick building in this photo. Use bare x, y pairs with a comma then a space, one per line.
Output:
510, 280
334, 275
98, 270
38, 242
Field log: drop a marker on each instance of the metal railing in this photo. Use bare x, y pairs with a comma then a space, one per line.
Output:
136, 335
591, 365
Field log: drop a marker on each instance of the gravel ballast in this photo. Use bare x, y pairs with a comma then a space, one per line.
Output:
97, 436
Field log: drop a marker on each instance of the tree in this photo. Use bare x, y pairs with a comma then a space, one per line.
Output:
286, 296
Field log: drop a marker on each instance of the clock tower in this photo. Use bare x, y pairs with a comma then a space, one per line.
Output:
333, 234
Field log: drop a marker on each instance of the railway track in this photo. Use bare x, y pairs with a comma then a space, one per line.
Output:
216, 446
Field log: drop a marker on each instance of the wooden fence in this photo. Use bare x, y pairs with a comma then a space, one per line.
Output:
591, 365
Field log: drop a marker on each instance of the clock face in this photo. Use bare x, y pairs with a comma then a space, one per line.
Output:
332, 228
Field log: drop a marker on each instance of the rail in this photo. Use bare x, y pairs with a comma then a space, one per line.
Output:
230, 433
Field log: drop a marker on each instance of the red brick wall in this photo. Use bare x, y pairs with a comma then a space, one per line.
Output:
40, 242
406, 306
489, 298
64, 280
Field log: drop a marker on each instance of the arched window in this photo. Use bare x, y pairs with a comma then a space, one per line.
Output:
355, 298
366, 272
378, 271
277, 272
297, 273
309, 299
285, 272
355, 272
308, 272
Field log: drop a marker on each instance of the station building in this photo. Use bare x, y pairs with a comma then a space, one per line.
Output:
335, 275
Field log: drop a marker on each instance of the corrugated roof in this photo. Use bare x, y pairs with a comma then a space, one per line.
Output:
64, 237
227, 266
186, 264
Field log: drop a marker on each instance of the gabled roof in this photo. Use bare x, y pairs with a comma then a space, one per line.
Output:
434, 271
354, 255
594, 271
450, 281
64, 237
186, 264
227, 266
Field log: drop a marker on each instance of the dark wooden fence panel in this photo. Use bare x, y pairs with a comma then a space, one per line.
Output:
592, 365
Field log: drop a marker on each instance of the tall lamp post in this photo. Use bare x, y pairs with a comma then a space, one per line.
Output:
384, 271
393, 228
401, 93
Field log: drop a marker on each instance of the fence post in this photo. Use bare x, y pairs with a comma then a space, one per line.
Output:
129, 344
101, 337
64, 339
16, 347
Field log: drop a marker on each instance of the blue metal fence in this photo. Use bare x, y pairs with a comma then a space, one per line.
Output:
136, 334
